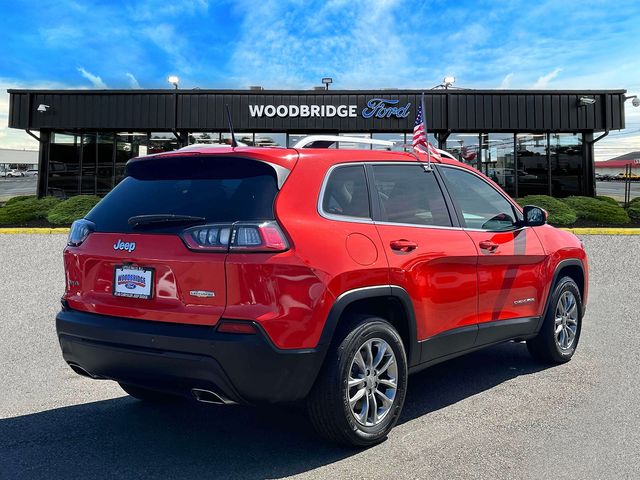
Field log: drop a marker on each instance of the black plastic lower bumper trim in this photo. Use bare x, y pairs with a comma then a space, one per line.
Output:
176, 358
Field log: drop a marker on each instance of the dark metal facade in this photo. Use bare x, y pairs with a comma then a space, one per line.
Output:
203, 110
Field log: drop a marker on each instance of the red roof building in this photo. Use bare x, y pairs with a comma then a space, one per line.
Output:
619, 163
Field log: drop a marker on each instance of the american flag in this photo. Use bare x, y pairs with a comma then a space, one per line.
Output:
420, 143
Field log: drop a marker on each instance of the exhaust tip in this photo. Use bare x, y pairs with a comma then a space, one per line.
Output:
81, 371
207, 396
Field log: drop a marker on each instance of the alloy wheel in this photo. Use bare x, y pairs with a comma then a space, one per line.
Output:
373, 382
566, 321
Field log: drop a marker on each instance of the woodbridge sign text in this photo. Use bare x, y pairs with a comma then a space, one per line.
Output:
376, 107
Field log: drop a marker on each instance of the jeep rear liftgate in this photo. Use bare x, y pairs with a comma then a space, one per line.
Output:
155, 247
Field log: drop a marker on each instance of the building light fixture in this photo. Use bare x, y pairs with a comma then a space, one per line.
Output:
635, 102
585, 101
327, 81
174, 80
448, 81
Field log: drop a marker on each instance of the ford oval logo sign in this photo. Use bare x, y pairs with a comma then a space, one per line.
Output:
385, 108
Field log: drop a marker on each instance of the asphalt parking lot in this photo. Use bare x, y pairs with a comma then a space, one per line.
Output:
12, 186
492, 414
616, 189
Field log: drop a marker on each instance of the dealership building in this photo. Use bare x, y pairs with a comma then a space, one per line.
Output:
529, 141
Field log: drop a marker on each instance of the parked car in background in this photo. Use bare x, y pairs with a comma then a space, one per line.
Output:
32, 172
14, 172
310, 275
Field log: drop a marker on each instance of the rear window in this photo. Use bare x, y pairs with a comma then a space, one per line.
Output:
217, 189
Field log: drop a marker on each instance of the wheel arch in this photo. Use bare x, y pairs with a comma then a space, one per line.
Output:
390, 302
573, 268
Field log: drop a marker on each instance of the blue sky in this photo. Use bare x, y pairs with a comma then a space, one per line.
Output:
292, 44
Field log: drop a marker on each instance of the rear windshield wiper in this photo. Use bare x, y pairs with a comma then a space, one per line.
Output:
139, 220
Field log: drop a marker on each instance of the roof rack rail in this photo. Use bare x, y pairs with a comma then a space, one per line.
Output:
325, 141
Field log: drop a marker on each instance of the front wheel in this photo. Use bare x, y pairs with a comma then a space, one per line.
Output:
359, 394
558, 337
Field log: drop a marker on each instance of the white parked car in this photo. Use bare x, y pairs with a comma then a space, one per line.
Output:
15, 173
32, 172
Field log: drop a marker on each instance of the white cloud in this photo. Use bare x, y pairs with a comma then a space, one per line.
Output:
544, 80
95, 80
152, 10
506, 81
362, 46
165, 37
133, 81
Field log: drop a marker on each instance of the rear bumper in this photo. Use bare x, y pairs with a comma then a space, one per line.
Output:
176, 358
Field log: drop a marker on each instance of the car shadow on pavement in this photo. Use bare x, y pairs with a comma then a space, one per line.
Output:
123, 438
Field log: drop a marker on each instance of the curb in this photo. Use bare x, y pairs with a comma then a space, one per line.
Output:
603, 231
43, 231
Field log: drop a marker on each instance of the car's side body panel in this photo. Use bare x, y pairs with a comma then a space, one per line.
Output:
511, 278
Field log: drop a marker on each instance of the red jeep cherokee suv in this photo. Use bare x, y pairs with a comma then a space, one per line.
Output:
271, 275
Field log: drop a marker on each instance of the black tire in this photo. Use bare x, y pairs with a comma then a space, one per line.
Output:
544, 347
146, 395
328, 404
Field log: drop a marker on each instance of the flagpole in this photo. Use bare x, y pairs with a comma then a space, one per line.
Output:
424, 125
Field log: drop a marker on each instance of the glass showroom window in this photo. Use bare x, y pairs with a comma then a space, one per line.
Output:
246, 138
533, 168
88, 164
104, 163
397, 138
567, 164
270, 140
128, 145
293, 138
497, 160
162, 142
464, 146
64, 165
203, 137
352, 145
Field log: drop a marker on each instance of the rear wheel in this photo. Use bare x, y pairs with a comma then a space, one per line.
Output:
360, 391
147, 395
559, 335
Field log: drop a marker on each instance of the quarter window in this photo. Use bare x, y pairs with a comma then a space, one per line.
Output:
408, 194
346, 193
481, 205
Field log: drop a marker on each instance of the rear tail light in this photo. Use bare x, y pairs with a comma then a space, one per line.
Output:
80, 230
209, 238
240, 236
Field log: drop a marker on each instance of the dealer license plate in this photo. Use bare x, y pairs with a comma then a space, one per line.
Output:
134, 282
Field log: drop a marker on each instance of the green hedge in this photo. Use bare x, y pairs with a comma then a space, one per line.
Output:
635, 201
26, 209
634, 211
19, 198
559, 212
588, 208
610, 200
72, 209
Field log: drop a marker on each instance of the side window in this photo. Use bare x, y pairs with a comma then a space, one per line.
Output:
346, 192
410, 195
481, 205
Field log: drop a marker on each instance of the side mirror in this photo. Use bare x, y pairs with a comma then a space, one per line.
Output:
534, 216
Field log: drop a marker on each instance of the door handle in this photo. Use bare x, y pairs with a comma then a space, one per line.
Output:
403, 245
488, 245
